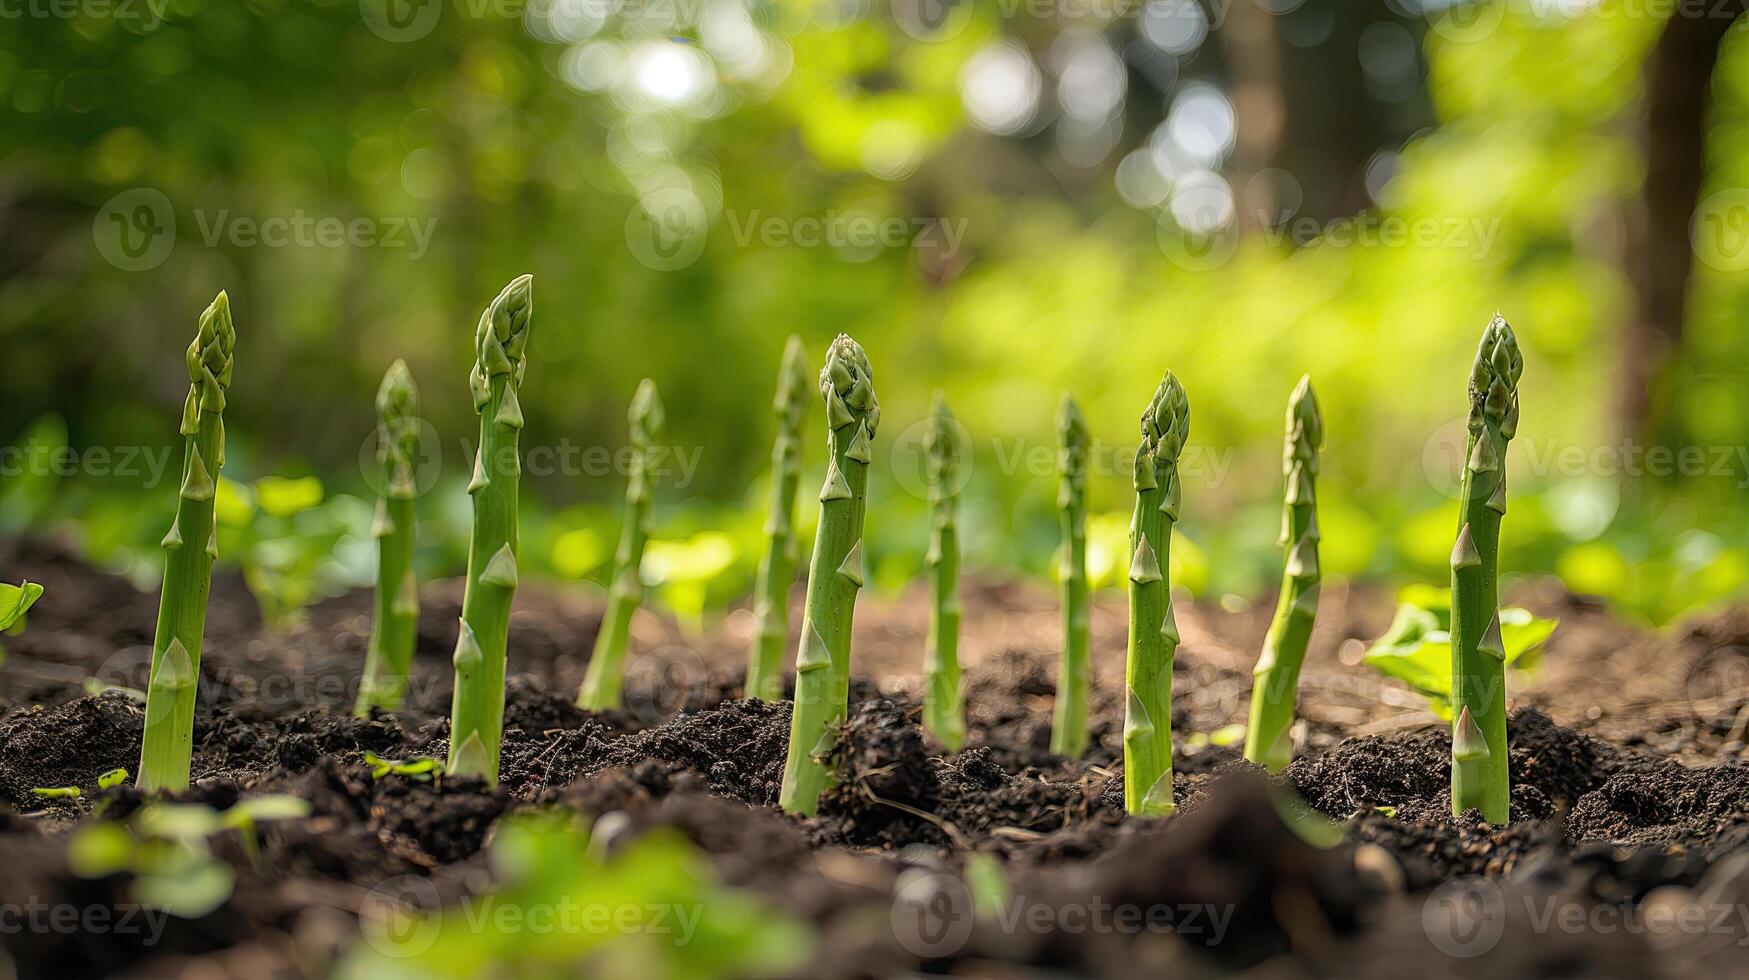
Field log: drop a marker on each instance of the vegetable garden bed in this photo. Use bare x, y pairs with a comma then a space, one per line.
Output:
1630, 793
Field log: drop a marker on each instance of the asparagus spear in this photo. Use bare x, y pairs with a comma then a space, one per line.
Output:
778, 570
189, 550
500, 361
1069, 732
1479, 777
1147, 730
944, 707
397, 598
835, 575
1269, 737
606, 676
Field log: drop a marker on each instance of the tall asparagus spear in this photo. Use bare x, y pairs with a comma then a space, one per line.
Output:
1479, 776
189, 550
835, 575
476, 722
397, 598
1269, 737
606, 676
778, 569
944, 706
1147, 729
1069, 732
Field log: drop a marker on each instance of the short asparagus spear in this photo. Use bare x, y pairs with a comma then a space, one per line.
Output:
1479, 777
189, 550
835, 575
1147, 730
606, 676
1069, 733
476, 722
1269, 737
944, 706
397, 597
778, 569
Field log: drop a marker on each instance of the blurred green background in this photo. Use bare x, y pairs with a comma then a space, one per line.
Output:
1005, 199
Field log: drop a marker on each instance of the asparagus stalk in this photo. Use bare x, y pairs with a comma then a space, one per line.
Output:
606, 676
1269, 737
1479, 775
189, 550
835, 575
778, 569
944, 707
476, 723
1069, 732
1153, 639
397, 598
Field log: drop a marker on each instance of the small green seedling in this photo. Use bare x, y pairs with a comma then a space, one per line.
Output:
165, 846
112, 779
1153, 636
778, 569
672, 918
1069, 728
1269, 737
476, 720
1417, 648
15, 601
835, 576
604, 682
190, 548
418, 770
396, 625
56, 792
944, 704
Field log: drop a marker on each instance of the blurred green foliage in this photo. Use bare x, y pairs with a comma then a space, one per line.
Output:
564, 906
599, 146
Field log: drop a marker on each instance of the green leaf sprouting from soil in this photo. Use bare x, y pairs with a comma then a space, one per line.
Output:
1416, 649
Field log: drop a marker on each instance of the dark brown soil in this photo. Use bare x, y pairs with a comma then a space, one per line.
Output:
1623, 793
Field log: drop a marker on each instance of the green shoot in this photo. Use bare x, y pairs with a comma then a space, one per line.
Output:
1480, 779
1269, 737
1069, 730
1153, 638
944, 706
778, 569
605, 680
476, 722
396, 625
56, 792
835, 576
164, 848
112, 779
190, 548
15, 601
418, 770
